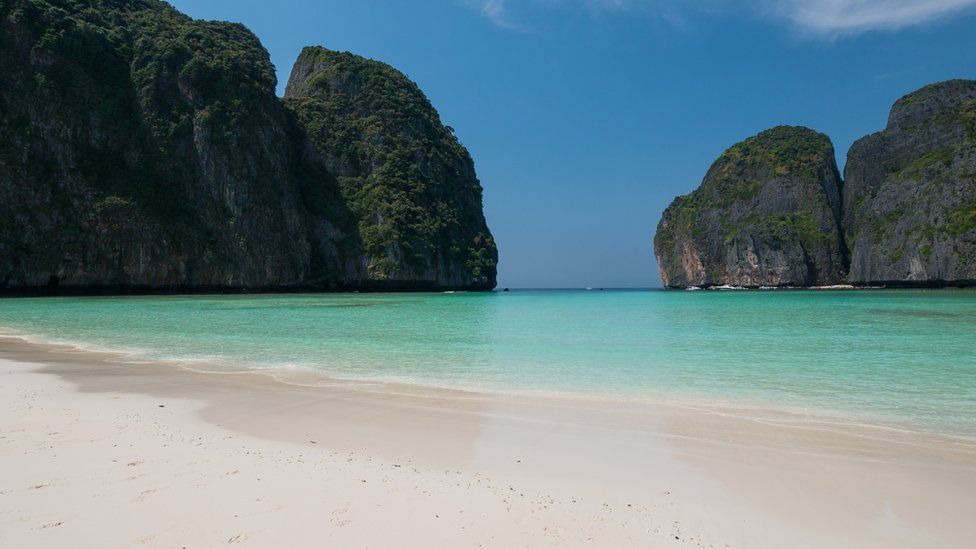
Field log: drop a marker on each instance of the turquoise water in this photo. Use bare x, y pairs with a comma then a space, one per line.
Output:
896, 356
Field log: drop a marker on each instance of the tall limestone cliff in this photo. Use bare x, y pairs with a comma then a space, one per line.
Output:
910, 191
908, 214
407, 179
766, 214
144, 150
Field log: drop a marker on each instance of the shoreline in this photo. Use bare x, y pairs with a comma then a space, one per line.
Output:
704, 477
117, 290
881, 285
302, 376
126, 291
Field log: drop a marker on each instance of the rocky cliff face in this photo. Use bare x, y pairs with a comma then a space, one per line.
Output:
140, 149
766, 214
410, 184
905, 214
910, 191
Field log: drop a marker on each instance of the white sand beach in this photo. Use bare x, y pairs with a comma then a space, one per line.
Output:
96, 452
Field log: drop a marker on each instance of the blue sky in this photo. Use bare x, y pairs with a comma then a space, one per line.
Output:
586, 117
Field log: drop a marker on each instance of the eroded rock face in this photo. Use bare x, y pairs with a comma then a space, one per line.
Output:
766, 214
141, 149
407, 179
908, 214
910, 191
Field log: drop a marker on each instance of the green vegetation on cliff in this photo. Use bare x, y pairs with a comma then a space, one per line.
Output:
140, 148
741, 172
150, 68
784, 151
908, 191
905, 213
962, 219
404, 173
765, 214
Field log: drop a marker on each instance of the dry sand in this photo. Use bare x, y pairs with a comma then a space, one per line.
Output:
97, 452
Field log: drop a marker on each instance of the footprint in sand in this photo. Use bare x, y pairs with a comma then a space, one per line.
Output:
337, 517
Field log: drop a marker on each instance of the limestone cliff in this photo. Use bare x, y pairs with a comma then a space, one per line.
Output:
770, 211
143, 150
910, 191
409, 182
766, 214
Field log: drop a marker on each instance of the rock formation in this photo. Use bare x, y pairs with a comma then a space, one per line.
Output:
910, 191
773, 212
409, 183
142, 150
766, 214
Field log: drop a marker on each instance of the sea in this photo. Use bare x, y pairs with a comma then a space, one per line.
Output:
903, 358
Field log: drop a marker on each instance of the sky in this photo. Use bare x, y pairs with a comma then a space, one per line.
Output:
586, 118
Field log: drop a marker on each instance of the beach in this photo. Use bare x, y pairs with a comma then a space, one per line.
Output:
98, 451
487, 274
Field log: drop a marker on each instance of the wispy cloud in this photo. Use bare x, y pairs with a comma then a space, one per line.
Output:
495, 11
855, 16
822, 17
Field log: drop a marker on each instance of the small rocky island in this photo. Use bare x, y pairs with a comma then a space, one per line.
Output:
767, 213
773, 211
142, 150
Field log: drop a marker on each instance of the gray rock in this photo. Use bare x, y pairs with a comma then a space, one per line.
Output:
766, 214
410, 184
143, 150
910, 191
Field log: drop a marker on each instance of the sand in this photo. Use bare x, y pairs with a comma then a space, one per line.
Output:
99, 452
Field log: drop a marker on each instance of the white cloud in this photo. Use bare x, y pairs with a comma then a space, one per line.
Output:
854, 16
825, 17
494, 10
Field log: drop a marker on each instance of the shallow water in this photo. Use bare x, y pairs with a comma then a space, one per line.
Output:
907, 357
